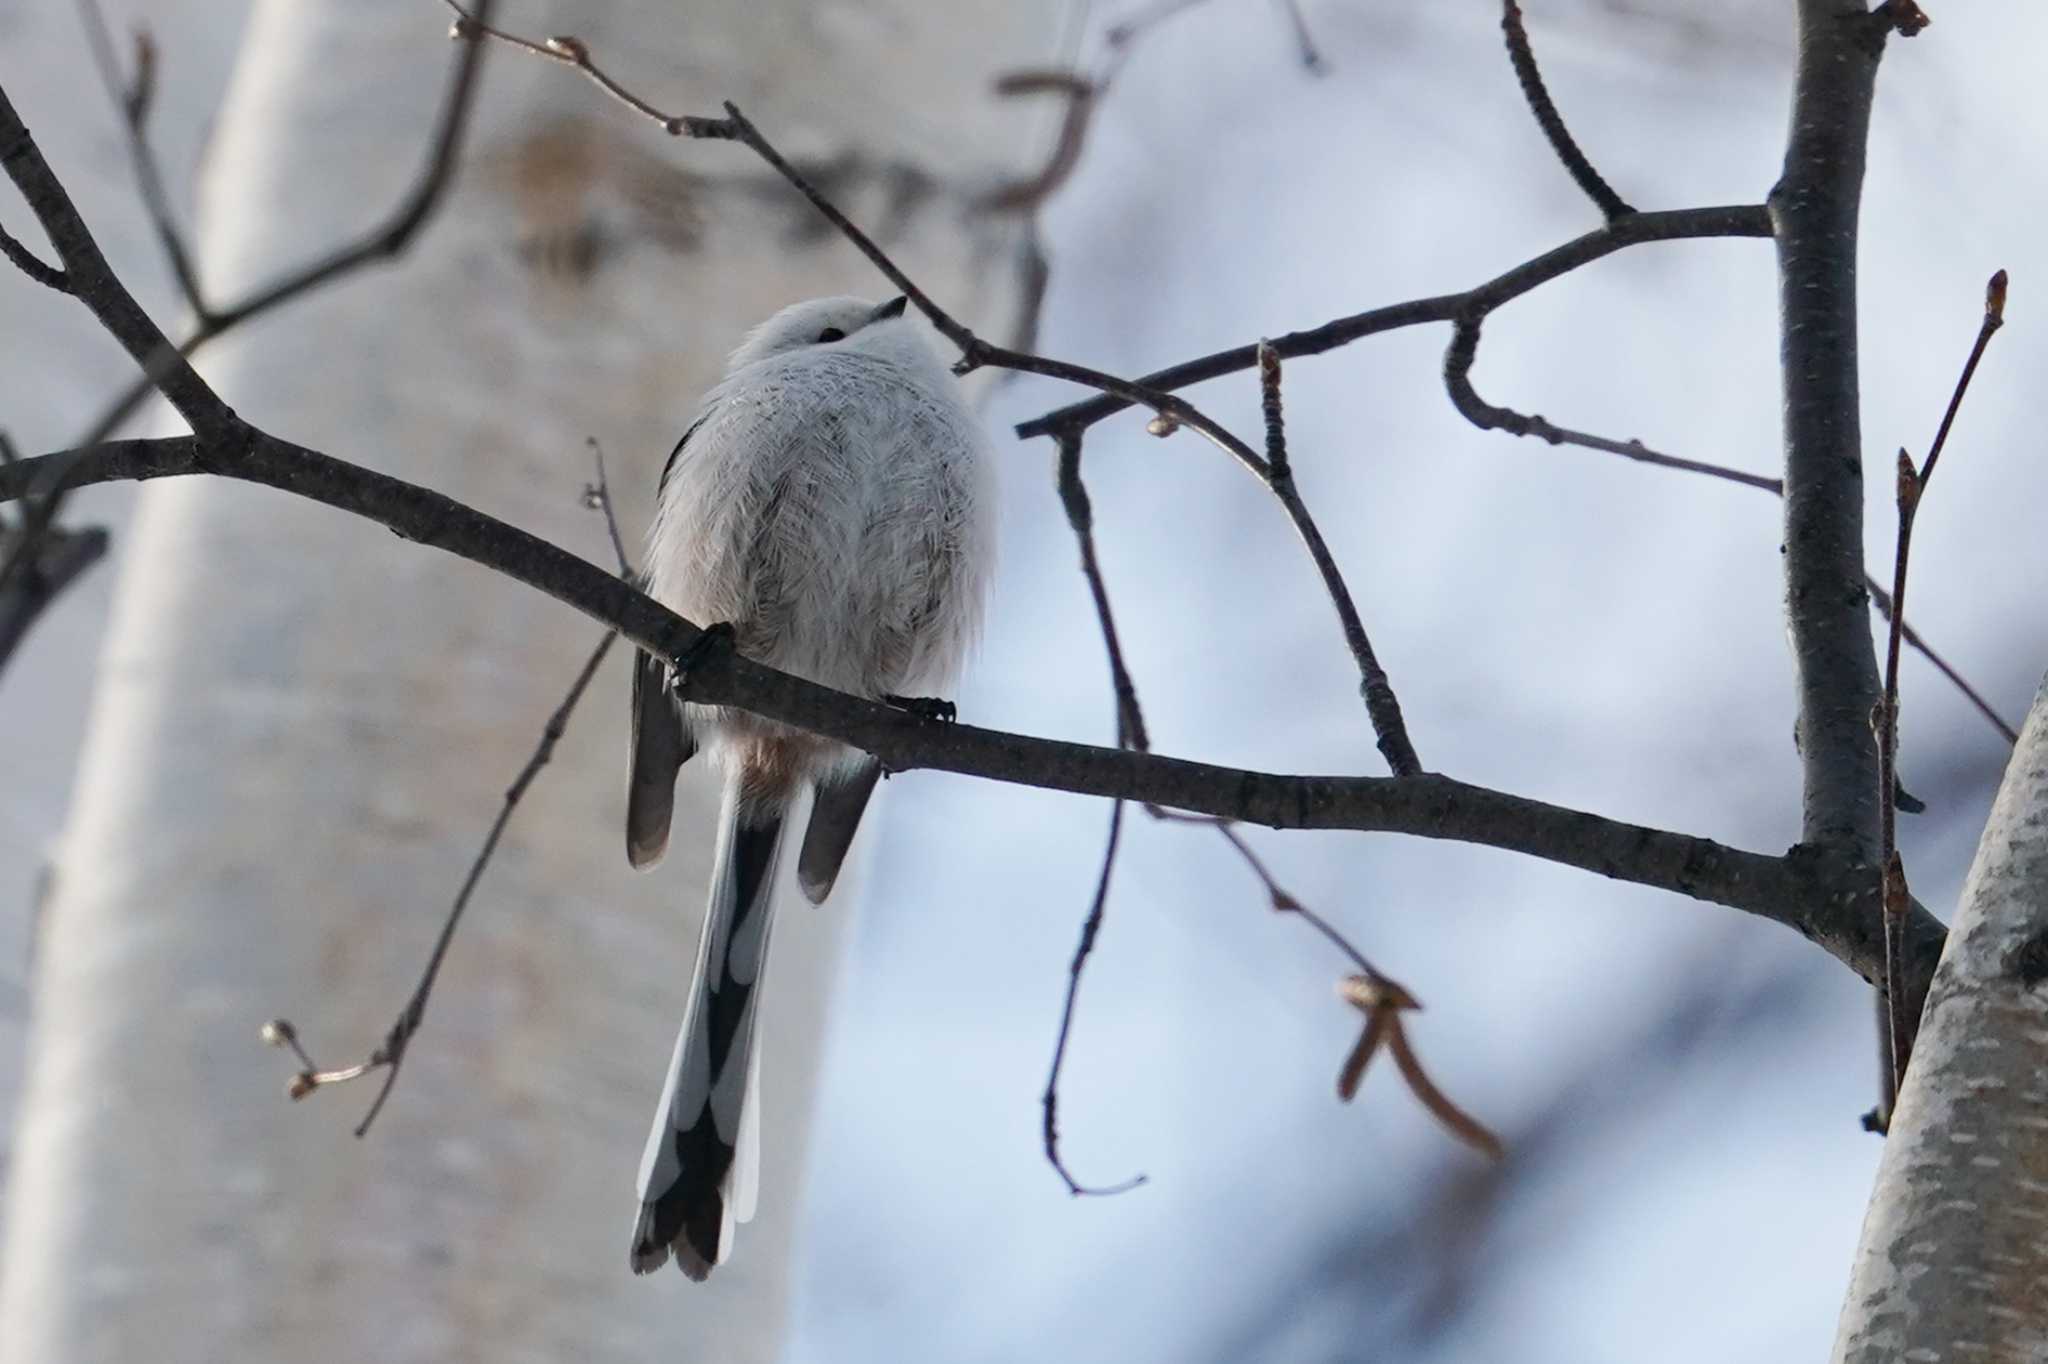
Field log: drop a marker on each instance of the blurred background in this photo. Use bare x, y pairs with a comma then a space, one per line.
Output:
1678, 1085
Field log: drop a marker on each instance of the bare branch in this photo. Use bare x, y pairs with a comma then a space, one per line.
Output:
1911, 487
1738, 220
32, 265
1050, 1101
1813, 890
167, 363
598, 497
1130, 717
1311, 56
1813, 213
390, 1054
1818, 895
134, 99
1458, 361
1373, 685
1602, 194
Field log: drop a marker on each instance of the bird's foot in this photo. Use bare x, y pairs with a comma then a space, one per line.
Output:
926, 707
710, 640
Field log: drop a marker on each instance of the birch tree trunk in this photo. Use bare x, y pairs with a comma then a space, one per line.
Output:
302, 729
1953, 1263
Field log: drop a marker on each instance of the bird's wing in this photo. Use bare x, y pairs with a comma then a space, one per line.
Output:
834, 816
661, 745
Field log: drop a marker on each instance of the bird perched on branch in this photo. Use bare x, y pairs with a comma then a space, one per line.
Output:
830, 503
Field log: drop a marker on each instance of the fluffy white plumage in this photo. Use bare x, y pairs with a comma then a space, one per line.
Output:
830, 500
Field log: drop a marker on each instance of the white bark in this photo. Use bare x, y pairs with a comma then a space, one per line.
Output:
303, 727
1953, 1263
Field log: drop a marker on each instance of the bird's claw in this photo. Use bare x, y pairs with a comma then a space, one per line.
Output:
712, 638
926, 707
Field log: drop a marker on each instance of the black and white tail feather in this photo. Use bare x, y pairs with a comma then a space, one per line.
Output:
701, 1170
830, 502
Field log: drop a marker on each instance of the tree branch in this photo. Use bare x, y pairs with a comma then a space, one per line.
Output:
383, 242
1733, 220
1610, 204
1809, 893
1813, 213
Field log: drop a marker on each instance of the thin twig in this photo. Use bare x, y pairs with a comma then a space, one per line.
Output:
598, 497
1733, 220
1381, 705
390, 1054
1134, 26
1130, 717
1819, 890
1612, 205
1130, 733
1911, 487
1458, 361
1304, 41
134, 99
975, 353
32, 265
1380, 997
1883, 601
167, 362
1050, 1101
1458, 382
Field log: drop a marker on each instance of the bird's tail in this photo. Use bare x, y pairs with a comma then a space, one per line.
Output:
702, 1166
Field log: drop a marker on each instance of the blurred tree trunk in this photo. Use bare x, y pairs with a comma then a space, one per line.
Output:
302, 728
1954, 1258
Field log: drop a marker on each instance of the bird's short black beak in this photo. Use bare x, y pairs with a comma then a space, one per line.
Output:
893, 308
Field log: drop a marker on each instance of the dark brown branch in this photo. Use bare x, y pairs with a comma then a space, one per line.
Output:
1130, 717
1381, 705
975, 353
1458, 361
1911, 487
134, 99
1817, 891
1050, 1101
1581, 170
390, 1055
598, 497
1130, 733
1305, 47
386, 241
32, 265
60, 560
1739, 220
1814, 212
1812, 893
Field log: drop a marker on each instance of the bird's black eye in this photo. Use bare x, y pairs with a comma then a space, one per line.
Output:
830, 334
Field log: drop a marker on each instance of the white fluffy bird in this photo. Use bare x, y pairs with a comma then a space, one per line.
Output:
830, 501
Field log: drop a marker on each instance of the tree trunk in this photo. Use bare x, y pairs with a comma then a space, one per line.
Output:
302, 729
1954, 1258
